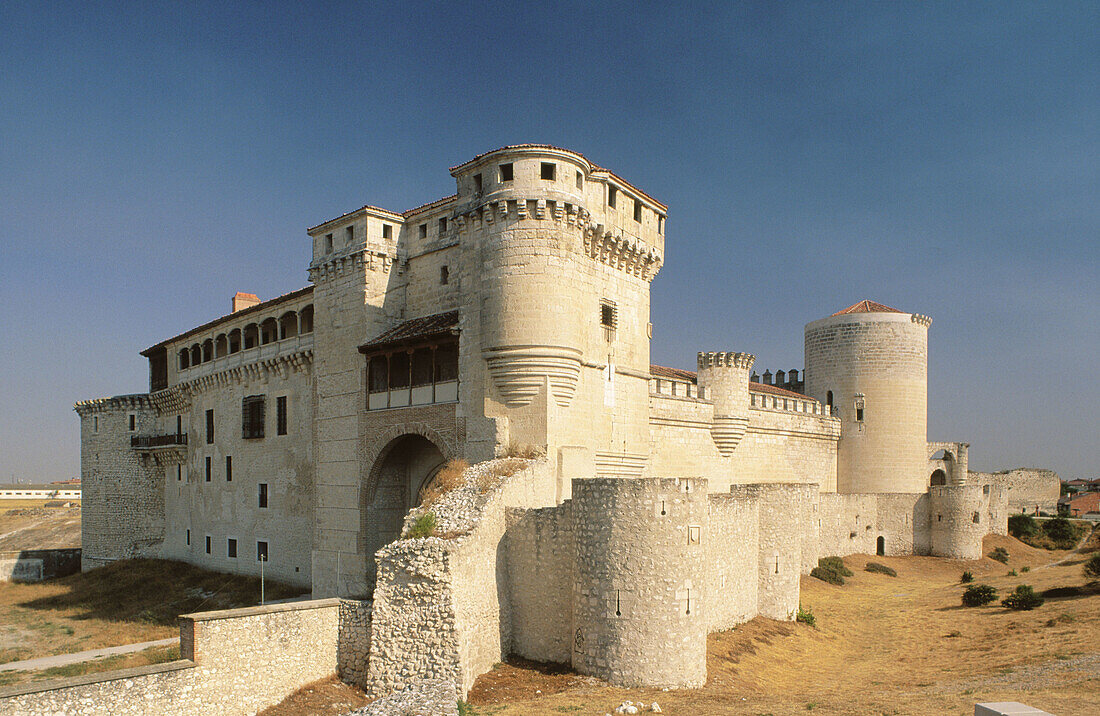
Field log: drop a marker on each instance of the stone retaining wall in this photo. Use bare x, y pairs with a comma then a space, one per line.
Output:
34, 565
236, 661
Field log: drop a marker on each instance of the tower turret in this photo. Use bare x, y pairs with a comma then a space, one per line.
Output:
724, 380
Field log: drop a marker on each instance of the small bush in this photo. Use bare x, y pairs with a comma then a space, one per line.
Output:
490, 478
1060, 529
465, 709
978, 595
1011, 573
806, 616
880, 569
1061, 619
831, 570
966, 577
450, 477
1023, 599
1092, 567
1000, 554
523, 451
1022, 525
422, 526
1025, 569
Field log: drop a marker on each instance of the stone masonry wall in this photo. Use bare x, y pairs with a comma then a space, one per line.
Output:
353, 643
237, 661
732, 560
1027, 489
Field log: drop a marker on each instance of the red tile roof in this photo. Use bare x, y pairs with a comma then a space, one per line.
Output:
415, 329
660, 371
776, 390
866, 306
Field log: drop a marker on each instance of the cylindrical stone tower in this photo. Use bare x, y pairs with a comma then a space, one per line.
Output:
960, 517
724, 378
638, 601
869, 364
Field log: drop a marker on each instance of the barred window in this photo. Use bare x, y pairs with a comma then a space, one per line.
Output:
252, 417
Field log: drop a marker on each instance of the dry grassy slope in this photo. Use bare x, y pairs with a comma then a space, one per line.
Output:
30, 525
883, 645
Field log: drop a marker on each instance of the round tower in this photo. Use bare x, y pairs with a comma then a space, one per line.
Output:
960, 518
724, 380
638, 614
868, 364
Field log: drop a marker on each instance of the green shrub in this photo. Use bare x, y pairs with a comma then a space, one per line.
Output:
1024, 598
978, 595
1060, 529
1025, 569
831, 570
1022, 525
806, 616
880, 569
1011, 573
966, 577
1092, 567
1000, 554
465, 709
422, 526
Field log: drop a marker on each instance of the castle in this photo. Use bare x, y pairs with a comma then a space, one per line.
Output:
296, 434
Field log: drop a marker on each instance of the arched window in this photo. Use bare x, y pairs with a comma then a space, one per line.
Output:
288, 325
185, 359
207, 350
307, 319
269, 331
221, 346
196, 354
235, 340
939, 477
251, 336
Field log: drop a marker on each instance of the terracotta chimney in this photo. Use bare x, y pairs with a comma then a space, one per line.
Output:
242, 301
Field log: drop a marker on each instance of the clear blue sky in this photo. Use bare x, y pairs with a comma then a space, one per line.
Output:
942, 158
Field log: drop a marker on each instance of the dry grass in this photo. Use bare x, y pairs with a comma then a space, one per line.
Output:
491, 477
450, 477
29, 524
881, 646
145, 657
523, 451
123, 603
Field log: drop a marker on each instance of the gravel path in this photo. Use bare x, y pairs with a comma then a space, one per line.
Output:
45, 662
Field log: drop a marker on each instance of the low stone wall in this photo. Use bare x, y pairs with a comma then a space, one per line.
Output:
353, 644
34, 565
236, 661
732, 562
1027, 490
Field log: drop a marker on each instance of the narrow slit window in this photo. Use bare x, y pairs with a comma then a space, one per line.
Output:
280, 415
444, 275
262, 495
477, 183
328, 243
133, 423
580, 180
637, 211
261, 551
349, 235
229, 468
611, 196
208, 544
209, 427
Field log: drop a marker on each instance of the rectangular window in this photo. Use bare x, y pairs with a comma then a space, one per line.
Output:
399, 370
280, 415
637, 211
179, 425
263, 495
261, 551
188, 538
612, 192
252, 417
179, 473
208, 469
547, 171
231, 548
609, 318
209, 427
442, 225
208, 544
378, 378
660, 225
580, 180
387, 231
350, 234
423, 231
133, 423
444, 275
328, 246
477, 183
229, 468
95, 424
506, 173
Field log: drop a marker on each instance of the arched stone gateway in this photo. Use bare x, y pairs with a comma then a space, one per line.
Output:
939, 477
401, 470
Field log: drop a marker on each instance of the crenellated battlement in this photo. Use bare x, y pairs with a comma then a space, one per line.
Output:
712, 359
921, 320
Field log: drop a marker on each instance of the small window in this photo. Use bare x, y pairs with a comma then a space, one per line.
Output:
208, 469
387, 231
263, 495
580, 180
477, 183
280, 415
133, 423
350, 235
208, 544
95, 424
443, 225
660, 225
209, 427
608, 314
261, 551
252, 417
179, 425
637, 211
985, 489
548, 170
229, 468
423, 231
506, 172
188, 538
829, 400
231, 548
444, 275
859, 414
179, 473
977, 518
328, 244
612, 194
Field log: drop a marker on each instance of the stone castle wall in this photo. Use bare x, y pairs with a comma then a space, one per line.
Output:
1027, 489
237, 661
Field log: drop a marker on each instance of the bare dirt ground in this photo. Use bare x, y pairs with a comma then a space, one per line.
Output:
29, 524
882, 645
327, 696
